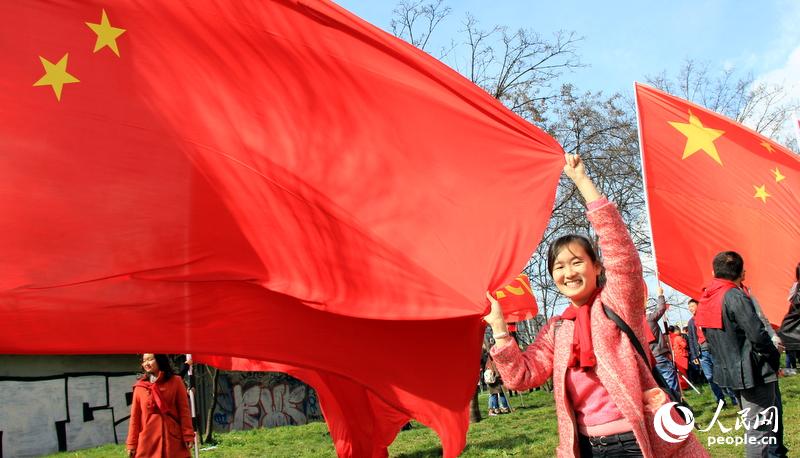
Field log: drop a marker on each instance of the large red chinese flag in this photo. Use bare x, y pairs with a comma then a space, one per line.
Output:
715, 185
275, 180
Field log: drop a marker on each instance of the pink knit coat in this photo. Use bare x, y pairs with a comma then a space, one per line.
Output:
619, 367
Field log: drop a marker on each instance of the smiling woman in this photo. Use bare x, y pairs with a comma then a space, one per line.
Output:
574, 266
605, 396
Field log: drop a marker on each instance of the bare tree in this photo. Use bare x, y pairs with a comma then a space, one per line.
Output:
603, 131
415, 21
766, 108
212, 374
522, 69
519, 68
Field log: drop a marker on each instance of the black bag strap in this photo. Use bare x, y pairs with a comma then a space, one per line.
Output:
623, 326
612, 315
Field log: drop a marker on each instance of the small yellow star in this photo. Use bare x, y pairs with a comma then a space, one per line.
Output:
768, 146
106, 34
778, 176
761, 193
56, 75
698, 137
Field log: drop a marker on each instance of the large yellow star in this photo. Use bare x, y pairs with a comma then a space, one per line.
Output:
768, 146
56, 75
761, 193
698, 137
778, 176
106, 34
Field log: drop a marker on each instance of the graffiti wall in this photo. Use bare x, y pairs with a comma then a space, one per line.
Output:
247, 400
76, 410
41, 415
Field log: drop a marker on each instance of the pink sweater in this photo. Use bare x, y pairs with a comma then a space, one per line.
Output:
619, 368
590, 401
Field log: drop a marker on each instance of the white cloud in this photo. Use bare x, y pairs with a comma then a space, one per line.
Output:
787, 76
783, 59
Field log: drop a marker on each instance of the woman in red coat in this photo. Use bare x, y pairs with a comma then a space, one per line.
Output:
160, 423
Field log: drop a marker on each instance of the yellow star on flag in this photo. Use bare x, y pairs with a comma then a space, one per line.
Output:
778, 176
761, 193
56, 75
768, 146
698, 137
106, 34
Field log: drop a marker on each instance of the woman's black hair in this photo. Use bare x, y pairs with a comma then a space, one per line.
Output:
797, 273
164, 365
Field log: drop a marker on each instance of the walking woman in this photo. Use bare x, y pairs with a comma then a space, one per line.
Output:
498, 403
160, 424
605, 396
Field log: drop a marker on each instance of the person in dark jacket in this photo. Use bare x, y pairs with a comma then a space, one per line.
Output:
700, 354
790, 326
746, 360
659, 346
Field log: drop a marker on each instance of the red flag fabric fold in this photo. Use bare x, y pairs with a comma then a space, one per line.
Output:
715, 185
348, 407
228, 178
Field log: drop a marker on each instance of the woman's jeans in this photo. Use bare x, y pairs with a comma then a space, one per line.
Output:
493, 401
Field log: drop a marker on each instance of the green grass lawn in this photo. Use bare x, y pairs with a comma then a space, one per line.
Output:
530, 431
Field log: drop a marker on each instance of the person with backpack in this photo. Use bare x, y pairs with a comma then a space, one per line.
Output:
605, 395
498, 403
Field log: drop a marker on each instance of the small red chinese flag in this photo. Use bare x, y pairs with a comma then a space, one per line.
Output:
715, 185
517, 300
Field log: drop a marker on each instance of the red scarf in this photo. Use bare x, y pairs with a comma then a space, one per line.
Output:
709, 309
701, 338
155, 393
582, 349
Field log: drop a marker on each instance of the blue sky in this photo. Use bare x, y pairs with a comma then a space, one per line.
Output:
626, 41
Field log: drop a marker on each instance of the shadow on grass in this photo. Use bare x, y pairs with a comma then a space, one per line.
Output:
432, 452
498, 443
